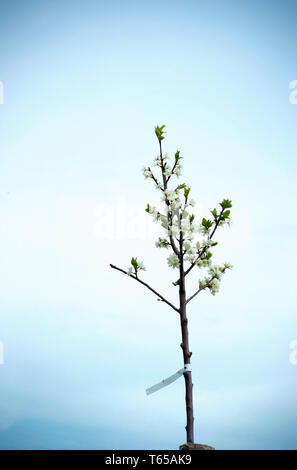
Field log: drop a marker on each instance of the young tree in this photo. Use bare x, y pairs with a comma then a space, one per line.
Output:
177, 220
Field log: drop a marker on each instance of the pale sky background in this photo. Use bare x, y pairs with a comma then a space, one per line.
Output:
84, 85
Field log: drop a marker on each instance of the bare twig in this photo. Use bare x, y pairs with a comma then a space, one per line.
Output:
155, 179
146, 285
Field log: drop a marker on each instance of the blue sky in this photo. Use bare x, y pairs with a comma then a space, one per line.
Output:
84, 86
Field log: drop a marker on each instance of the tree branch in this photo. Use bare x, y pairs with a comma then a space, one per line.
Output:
200, 289
155, 179
172, 243
146, 285
172, 171
204, 287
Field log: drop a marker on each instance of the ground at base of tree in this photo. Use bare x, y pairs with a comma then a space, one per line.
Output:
192, 446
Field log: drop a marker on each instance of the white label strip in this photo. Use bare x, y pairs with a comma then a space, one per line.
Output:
169, 380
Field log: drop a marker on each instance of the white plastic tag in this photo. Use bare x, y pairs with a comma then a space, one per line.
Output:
169, 380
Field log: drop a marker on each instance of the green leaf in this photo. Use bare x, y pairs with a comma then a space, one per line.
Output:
226, 214
206, 223
177, 156
214, 213
186, 191
226, 204
134, 263
147, 208
159, 132
192, 217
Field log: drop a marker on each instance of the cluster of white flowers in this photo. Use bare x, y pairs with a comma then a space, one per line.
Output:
214, 286
166, 167
164, 221
141, 266
216, 271
190, 258
187, 226
162, 243
203, 230
173, 197
178, 168
173, 229
224, 222
138, 266
173, 261
158, 161
190, 252
202, 263
207, 243
146, 173
212, 282
177, 219
167, 171
189, 249
228, 266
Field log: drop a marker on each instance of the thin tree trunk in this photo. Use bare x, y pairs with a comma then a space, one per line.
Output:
184, 324
186, 352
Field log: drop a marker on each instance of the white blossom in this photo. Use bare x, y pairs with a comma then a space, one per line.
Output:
194, 228
177, 172
185, 225
173, 261
174, 230
192, 202
216, 271
177, 204
214, 286
170, 195
202, 263
203, 230
228, 266
156, 216
140, 266
189, 249
187, 246
162, 243
146, 173
177, 169
191, 258
157, 161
